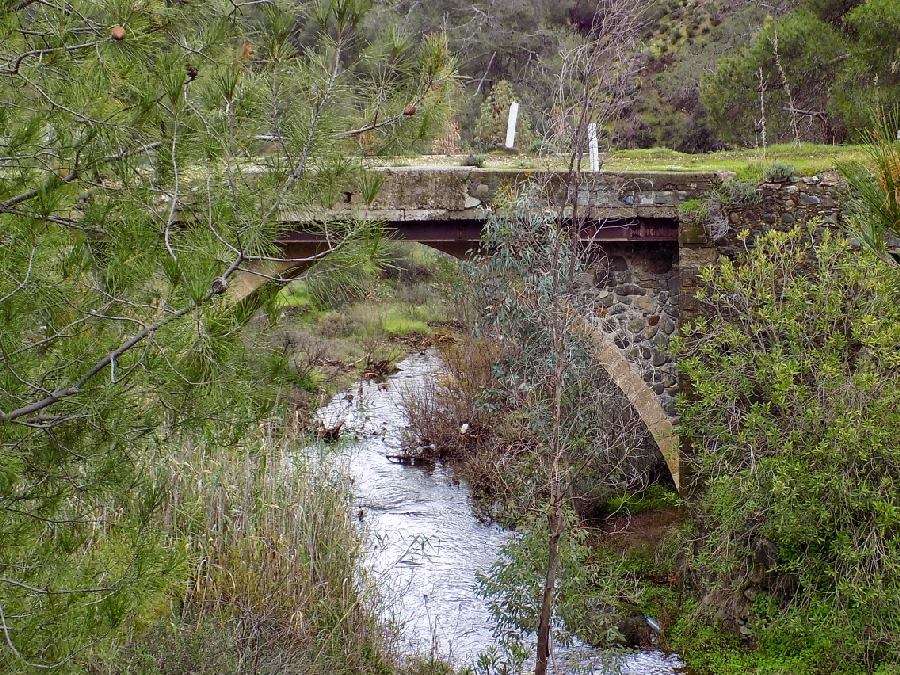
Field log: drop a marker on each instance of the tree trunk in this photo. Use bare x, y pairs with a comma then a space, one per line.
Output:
547, 602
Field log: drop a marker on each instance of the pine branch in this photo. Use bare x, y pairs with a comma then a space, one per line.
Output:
75, 173
14, 68
217, 288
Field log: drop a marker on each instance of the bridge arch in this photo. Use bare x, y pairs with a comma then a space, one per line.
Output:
622, 372
639, 394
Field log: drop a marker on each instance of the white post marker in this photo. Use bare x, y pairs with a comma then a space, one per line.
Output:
593, 147
511, 125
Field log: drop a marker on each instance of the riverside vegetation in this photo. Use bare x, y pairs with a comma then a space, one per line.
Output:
147, 519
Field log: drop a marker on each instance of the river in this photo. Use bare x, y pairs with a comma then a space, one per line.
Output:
425, 545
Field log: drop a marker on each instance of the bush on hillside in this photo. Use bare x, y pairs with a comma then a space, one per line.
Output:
490, 129
811, 54
837, 60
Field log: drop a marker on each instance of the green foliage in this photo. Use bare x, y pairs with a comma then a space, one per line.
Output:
839, 56
779, 172
830, 64
654, 497
516, 42
793, 423
474, 160
533, 282
737, 192
694, 209
876, 24
874, 204
398, 325
830, 10
590, 594
147, 152
731, 95
272, 536
347, 275
799, 642
490, 128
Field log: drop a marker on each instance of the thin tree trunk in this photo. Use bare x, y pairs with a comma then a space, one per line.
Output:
547, 602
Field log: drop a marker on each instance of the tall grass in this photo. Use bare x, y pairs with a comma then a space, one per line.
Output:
277, 582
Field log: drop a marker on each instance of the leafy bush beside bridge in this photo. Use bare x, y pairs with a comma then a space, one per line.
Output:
793, 425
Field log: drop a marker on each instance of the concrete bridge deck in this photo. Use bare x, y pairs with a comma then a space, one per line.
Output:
446, 206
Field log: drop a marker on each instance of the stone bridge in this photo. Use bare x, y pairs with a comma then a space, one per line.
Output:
654, 251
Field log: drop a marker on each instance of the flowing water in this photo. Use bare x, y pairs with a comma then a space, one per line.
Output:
426, 546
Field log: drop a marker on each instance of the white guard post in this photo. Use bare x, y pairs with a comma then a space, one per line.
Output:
593, 147
511, 125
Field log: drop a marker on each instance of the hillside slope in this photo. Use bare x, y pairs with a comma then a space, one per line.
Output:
818, 65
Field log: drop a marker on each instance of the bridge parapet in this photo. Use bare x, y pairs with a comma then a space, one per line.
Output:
447, 206
462, 189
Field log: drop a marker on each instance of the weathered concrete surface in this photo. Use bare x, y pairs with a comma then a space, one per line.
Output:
462, 188
464, 197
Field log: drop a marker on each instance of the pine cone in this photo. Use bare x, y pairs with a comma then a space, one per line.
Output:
219, 285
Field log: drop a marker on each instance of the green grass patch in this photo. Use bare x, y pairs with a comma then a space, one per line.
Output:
695, 208
655, 497
295, 295
749, 164
397, 324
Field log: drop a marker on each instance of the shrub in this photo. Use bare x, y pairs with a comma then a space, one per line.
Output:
737, 192
594, 588
336, 324
447, 419
793, 423
490, 129
474, 160
779, 172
